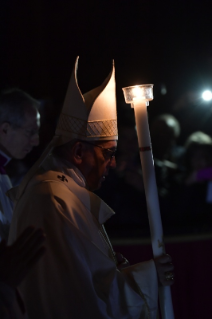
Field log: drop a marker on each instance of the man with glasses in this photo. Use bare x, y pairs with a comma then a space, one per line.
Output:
80, 276
19, 125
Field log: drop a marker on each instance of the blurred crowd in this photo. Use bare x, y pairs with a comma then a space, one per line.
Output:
183, 175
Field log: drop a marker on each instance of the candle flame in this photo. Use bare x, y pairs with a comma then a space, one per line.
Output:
137, 93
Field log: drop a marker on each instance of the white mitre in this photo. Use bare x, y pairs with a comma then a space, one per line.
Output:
91, 116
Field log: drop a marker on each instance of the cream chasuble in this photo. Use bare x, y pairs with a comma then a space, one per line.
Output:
77, 278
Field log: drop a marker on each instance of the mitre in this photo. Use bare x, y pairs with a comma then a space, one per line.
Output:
89, 116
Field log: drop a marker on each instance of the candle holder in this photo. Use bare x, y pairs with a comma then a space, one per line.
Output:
138, 92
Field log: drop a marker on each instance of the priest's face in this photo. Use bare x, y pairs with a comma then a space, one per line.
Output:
99, 159
18, 141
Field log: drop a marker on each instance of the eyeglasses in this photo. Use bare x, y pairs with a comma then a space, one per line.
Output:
109, 154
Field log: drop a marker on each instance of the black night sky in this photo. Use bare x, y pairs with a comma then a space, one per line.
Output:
167, 43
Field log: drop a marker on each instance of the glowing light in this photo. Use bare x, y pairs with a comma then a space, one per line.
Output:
207, 95
137, 93
163, 89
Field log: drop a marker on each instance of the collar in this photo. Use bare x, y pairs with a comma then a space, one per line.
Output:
57, 164
75, 182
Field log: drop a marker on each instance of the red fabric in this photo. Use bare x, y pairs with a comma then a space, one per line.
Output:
191, 293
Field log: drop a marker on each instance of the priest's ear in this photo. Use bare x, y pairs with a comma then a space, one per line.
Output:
77, 152
73, 151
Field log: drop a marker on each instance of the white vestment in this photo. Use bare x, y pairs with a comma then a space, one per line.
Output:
77, 278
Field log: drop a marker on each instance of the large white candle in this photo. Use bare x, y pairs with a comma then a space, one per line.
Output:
149, 180
139, 96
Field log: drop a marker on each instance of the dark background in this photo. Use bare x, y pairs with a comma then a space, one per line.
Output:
167, 43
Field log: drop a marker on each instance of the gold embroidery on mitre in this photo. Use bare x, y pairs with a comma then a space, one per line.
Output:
71, 124
90, 129
102, 128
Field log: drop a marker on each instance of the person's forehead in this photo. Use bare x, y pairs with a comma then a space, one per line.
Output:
31, 117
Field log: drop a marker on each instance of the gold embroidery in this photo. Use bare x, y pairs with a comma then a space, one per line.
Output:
90, 129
